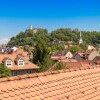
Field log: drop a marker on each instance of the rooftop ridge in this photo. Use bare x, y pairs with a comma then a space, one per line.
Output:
20, 77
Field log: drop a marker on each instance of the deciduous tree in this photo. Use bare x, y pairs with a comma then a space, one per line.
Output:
4, 71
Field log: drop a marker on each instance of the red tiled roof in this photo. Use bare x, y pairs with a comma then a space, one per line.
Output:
97, 58
85, 52
26, 66
18, 58
68, 64
81, 54
73, 65
6, 58
88, 51
19, 51
58, 57
61, 53
58, 85
69, 60
84, 61
12, 56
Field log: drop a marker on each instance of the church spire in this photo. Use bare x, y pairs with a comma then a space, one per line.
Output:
80, 40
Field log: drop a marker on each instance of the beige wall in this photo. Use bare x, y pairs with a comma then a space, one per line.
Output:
93, 55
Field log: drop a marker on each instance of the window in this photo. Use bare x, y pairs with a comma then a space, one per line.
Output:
21, 62
9, 62
14, 73
26, 71
30, 71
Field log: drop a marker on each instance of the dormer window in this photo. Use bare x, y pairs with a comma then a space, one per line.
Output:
20, 62
8, 62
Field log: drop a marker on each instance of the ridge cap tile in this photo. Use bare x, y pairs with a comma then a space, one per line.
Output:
47, 73
40, 74
23, 76
19, 77
3, 79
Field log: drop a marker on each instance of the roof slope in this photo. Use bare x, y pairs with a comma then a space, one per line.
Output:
97, 58
14, 58
61, 53
59, 85
30, 65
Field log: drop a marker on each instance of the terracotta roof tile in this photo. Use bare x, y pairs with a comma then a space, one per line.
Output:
19, 51
14, 57
26, 66
6, 58
57, 85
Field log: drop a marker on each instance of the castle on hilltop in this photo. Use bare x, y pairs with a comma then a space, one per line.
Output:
33, 29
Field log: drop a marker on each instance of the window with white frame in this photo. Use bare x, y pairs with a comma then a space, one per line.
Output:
9, 63
20, 62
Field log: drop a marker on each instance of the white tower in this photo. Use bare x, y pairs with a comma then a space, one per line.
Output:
80, 40
30, 27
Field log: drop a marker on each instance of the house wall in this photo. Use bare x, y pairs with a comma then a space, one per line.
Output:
93, 55
21, 72
69, 55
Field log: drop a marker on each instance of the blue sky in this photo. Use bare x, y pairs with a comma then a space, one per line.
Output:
17, 15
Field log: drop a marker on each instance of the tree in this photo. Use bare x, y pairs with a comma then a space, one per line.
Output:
65, 34
60, 65
56, 47
83, 46
41, 51
75, 48
76, 31
41, 55
46, 64
42, 31
4, 71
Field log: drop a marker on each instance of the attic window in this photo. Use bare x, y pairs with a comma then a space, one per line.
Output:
21, 62
9, 63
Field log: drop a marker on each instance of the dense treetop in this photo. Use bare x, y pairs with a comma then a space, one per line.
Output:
4, 71
63, 34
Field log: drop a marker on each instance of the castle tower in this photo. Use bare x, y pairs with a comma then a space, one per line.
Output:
30, 27
80, 40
